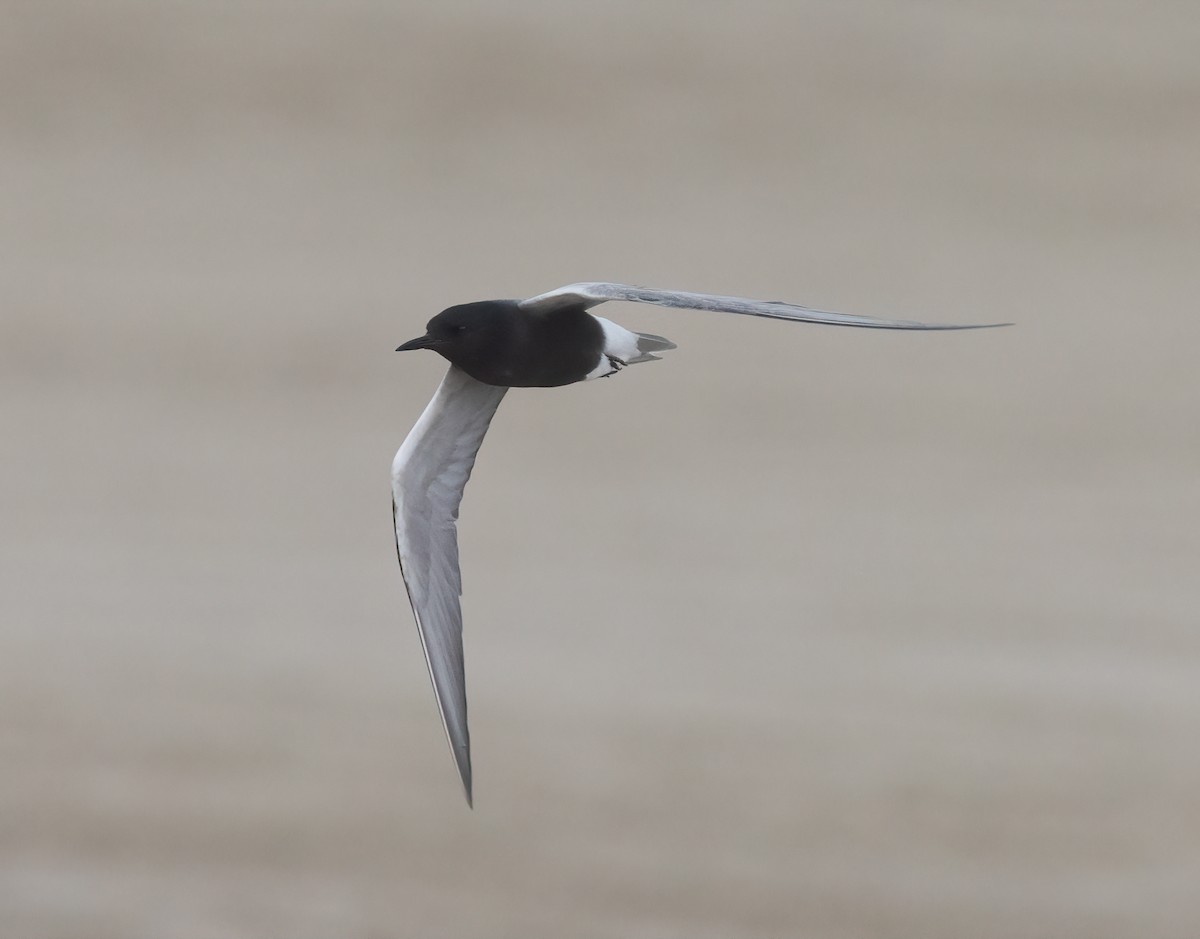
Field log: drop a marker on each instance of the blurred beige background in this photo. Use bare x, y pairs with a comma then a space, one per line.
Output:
801, 632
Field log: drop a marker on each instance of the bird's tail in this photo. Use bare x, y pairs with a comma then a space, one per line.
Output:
647, 345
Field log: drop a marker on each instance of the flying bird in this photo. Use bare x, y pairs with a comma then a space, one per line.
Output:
493, 345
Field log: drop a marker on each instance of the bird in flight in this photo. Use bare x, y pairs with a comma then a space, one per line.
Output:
493, 345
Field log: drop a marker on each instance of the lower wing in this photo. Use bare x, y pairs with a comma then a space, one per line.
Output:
429, 475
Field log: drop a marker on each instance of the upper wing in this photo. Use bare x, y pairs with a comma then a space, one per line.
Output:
589, 295
429, 474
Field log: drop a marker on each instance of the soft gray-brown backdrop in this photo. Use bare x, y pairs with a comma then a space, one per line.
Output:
801, 632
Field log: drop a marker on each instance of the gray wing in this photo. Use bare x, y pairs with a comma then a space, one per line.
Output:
592, 294
429, 474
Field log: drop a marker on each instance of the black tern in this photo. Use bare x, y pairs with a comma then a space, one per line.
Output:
494, 345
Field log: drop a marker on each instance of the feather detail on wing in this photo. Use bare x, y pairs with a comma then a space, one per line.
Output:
429, 474
589, 295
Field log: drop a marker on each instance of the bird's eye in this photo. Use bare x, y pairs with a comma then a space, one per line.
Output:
460, 328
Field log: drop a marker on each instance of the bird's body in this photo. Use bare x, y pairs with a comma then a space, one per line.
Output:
492, 345
498, 342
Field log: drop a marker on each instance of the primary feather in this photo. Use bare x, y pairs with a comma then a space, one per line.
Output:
592, 294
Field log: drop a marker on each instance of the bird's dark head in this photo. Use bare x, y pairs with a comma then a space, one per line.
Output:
472, 336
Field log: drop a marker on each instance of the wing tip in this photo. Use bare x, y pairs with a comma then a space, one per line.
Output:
463, 758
